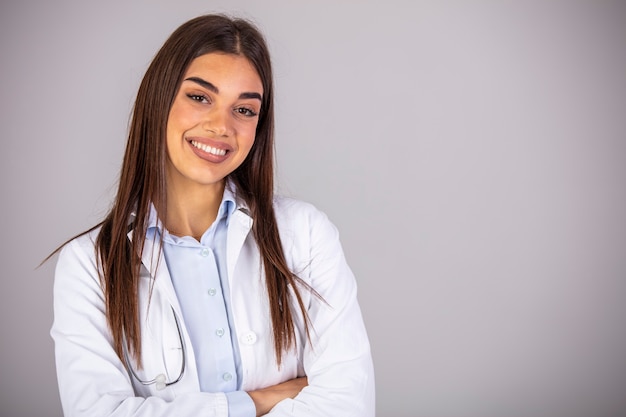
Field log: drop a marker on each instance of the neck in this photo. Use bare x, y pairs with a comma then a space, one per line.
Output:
192, 210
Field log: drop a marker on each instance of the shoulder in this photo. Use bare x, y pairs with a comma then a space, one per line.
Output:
81, 248
288, 209
77, 268
86, 240
302, 221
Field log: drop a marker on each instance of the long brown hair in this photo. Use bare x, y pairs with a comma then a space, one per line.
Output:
142, 181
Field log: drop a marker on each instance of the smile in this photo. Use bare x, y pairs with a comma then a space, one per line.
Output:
208, 149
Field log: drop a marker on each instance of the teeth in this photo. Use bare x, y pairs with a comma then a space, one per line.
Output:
209, 149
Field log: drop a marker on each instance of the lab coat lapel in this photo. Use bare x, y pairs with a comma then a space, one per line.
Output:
154, 262
238, 230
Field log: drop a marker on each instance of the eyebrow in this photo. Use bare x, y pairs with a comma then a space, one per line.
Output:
211, 87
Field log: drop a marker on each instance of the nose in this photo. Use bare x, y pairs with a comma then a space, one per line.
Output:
217, 121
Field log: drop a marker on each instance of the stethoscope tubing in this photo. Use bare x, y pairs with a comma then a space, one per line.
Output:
160, 380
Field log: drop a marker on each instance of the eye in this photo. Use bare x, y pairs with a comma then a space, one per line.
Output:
245, 111
199, 98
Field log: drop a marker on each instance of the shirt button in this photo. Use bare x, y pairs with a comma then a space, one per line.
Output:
248, 338
219, 332
227, 376
205, 252
212, 291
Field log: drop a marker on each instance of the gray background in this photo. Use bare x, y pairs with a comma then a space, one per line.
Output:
472, 154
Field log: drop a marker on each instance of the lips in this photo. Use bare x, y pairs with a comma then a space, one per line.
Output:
210, 150
207, 148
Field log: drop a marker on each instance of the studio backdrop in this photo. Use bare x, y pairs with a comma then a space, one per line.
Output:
472, 155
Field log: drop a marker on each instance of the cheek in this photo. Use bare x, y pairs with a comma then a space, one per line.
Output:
178, 123
250, 139
182, 116
246, 133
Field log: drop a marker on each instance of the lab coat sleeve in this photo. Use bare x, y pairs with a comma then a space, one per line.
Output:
338, 362
92, 379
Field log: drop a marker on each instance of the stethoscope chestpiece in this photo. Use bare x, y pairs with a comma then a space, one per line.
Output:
159, 382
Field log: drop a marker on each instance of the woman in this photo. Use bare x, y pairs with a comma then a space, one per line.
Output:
201, 293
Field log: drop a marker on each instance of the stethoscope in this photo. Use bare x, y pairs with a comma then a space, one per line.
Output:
160, 381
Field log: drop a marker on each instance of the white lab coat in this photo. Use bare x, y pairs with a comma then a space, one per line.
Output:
93, 380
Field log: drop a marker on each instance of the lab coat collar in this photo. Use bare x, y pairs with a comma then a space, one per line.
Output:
239, 227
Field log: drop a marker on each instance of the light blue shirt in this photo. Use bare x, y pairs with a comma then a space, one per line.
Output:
200, 278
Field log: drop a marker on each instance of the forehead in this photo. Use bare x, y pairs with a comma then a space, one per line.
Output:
226, 71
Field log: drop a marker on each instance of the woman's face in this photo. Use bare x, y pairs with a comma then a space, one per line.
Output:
212, 123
